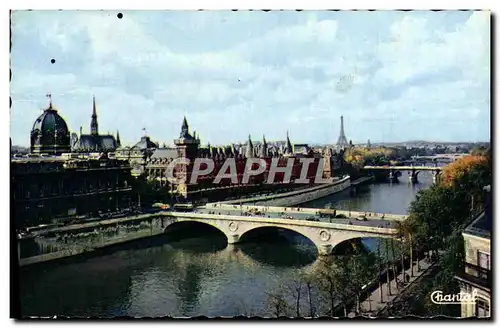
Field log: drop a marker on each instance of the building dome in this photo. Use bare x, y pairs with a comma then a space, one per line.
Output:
50, 134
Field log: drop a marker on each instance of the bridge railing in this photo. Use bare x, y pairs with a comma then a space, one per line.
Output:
284, 222
312, 211
404, 168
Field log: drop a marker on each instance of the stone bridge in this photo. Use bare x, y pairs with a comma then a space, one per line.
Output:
47, 244
324, 235
413, 171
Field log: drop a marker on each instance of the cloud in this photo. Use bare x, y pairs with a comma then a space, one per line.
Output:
253, 72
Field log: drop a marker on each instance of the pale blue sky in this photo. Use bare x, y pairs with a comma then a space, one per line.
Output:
395, 76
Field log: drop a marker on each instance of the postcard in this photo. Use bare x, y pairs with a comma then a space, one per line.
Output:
251, 164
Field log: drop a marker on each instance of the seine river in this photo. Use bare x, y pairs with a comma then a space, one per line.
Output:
197, 274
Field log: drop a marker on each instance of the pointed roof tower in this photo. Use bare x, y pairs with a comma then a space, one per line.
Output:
185, 130
263, 148
93, 123
342, 141
249, 148
118, 142
288, 148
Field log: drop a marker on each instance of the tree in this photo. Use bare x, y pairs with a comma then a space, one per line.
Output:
435, 213
276, 301
387, 269
309, 279
462, 170
436, 219
332, 281
360, 268
480, 151
296, 284
406, 230
379, 258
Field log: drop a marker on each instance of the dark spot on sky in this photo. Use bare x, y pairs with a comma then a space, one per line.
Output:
52, 60
239, 80
120, 15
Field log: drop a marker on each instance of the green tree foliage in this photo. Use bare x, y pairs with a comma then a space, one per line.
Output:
436, 220
148, 192
436, 213
361, 269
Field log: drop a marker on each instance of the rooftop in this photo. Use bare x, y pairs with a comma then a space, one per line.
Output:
480, 227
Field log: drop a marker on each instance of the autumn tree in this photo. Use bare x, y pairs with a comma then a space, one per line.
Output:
453, 175
437, 218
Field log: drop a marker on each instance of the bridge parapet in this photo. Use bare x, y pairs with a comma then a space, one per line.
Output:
312, 211
285, 222
404, 168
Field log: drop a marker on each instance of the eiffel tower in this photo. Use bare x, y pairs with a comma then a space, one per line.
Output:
342, 141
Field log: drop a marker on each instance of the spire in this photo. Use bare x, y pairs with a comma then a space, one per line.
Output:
94, 112
118, 142
249, 150
288, 148
263, 149
194, 134
49, 95
93, 123
342, 141
185, 129
81, 130
233, 150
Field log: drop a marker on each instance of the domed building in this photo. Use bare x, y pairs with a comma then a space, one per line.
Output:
50, 134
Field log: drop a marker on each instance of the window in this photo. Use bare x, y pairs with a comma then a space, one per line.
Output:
482, 308
483, 260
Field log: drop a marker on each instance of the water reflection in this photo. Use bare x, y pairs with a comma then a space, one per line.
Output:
380, 197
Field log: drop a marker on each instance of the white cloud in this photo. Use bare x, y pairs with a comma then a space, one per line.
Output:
305, 71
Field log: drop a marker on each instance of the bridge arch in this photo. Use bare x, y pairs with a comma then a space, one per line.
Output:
183, 227
324, 236
355, 240
247, 234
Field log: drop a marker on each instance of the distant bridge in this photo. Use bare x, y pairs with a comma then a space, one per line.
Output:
404, 168
413, 171
449, 157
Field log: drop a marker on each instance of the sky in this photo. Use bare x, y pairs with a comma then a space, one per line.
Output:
394, 76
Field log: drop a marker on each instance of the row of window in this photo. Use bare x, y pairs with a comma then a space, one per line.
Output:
33, 190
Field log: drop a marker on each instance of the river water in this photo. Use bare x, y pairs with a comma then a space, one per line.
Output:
195, 275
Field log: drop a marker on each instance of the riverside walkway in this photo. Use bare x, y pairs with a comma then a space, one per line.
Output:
374, 304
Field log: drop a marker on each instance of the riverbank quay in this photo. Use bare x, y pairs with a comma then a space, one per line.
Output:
379, 299
297, 197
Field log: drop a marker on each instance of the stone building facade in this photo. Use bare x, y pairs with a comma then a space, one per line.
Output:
154, 162
52, 184
476, 275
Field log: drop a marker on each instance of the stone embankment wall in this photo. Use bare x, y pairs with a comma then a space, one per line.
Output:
58, 243
297, 197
